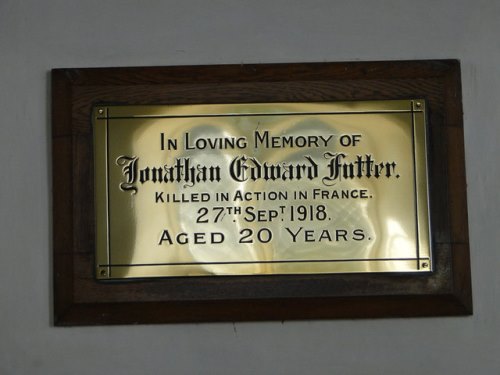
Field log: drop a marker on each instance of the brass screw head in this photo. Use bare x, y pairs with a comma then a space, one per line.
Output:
425, 265
100, 111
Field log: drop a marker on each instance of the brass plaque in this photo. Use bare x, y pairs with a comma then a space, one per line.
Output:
274, 188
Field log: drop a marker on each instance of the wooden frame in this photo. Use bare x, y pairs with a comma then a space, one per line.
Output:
81, 300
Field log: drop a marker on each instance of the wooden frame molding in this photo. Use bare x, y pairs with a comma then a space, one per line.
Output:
81, 300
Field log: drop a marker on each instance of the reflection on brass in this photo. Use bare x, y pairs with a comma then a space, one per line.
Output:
248, 189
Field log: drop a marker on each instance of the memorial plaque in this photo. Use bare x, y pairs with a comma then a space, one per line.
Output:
259, 192
275, 188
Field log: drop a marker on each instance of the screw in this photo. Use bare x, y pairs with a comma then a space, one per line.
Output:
103, 272
418, 104
425, 265
100, 111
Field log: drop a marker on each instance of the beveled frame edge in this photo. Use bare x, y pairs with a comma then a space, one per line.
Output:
67, 311
62, 195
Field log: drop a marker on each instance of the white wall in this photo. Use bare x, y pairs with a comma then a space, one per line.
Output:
36, 36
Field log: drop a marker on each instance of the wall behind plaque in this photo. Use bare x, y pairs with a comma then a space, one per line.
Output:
36, 36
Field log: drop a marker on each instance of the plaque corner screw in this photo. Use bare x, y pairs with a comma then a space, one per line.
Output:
425, 265
100, 111
103, 272
418, 104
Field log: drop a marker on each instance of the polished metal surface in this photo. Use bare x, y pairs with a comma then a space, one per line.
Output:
249, 189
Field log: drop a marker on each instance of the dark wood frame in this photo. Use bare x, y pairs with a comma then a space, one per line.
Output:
81, 300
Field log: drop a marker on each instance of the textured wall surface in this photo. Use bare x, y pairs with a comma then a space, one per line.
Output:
36, 36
